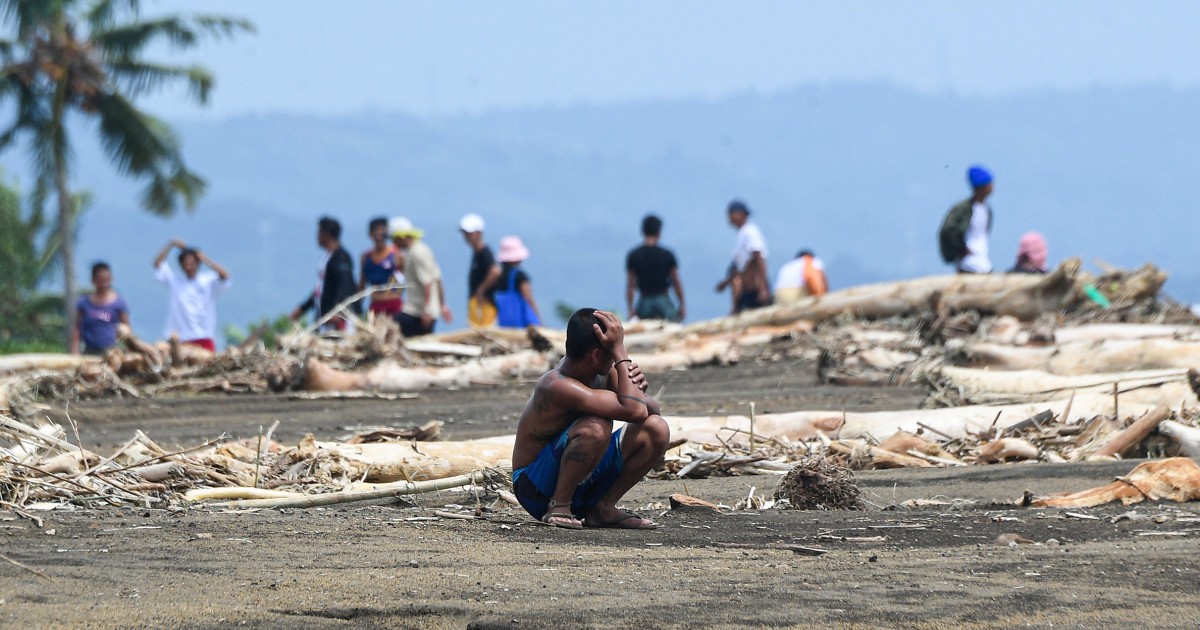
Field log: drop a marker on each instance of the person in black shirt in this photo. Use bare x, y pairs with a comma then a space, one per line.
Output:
652, 269
335, 276
482, 277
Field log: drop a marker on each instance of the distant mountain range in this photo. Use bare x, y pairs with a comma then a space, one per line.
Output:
860, 173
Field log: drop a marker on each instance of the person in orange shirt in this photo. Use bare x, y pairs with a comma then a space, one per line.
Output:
803, 276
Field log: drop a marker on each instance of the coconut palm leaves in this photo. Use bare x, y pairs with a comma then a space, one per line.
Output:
76, 58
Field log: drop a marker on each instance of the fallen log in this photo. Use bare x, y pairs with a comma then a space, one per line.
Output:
1133, 434
399, 488
951, 423
1175, 479
386, 462
1019, 295
14, 363
1185, 437
982, 386
1096, 357
1007, 449
391, 377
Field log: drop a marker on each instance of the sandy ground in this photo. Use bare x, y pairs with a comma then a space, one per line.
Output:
394, 565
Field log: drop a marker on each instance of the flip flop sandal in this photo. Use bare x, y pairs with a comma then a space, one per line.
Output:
565, 520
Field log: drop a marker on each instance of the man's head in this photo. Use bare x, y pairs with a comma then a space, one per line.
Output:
583, 346
102, 276
738, 213
805, 252
471, 227
403, 233
651, 226
329, 232
377, 230
189, 261
981, 181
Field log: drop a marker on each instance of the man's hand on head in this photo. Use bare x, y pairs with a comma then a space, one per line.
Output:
612, 335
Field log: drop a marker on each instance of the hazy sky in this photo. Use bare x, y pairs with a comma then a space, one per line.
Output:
452, 57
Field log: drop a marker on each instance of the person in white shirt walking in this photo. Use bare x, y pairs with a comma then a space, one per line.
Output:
748, 275
965, 232
192, 306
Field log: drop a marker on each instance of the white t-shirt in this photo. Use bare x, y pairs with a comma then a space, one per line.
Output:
421, 268
749, 240
977, 241
791, 275
192, 310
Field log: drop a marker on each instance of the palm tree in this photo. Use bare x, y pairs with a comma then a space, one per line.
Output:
85, 59
27, 254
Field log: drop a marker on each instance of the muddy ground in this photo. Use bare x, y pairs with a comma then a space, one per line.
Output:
396, 565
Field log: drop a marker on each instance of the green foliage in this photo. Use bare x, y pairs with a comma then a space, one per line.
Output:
28, 253
266, 329
70, 56
564, 311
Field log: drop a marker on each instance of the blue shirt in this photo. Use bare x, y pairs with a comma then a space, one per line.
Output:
98, 323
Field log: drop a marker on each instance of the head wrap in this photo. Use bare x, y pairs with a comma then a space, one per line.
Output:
978, 176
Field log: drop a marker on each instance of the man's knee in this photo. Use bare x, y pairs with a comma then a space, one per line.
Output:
590, 433
657, 432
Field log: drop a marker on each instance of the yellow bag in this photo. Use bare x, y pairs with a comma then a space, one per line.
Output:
481, 314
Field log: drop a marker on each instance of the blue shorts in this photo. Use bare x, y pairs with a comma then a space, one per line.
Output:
534, 484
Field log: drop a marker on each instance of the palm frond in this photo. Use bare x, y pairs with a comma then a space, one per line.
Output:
31, 15
128, 40
137, 142
223, 26
103, 13
143, 146
136, 78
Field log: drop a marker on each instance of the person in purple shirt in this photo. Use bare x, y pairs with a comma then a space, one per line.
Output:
99, 315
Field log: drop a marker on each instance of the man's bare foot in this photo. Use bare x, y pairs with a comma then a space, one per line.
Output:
617, 519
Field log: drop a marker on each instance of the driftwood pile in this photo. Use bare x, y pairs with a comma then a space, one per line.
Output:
42, 469
1062, 367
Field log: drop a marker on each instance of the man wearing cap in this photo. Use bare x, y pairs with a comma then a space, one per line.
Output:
963, 237
425, 297
749, 271
483, 274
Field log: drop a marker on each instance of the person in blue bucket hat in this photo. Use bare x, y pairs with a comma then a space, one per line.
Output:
965, 232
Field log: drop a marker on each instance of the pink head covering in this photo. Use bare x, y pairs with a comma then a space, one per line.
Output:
1033, 248
512, 250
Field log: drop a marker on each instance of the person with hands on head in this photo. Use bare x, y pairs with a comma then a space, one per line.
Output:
192, 309
570, 468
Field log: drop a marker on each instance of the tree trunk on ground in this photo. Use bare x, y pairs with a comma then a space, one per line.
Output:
391, 377
1098, 357
1019, 295
1177, 479
974, 386
952, 422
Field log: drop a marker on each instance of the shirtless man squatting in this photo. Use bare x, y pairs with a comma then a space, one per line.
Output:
569, 467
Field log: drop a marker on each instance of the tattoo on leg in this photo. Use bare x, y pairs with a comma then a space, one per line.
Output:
575, 453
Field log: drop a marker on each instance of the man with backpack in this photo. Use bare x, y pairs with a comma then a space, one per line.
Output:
964, 234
